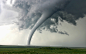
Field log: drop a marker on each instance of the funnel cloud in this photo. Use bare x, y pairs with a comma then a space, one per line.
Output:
44, 14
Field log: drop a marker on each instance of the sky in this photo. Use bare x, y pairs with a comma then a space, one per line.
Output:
11, 35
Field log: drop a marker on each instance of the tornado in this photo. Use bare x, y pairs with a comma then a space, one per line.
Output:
48, 9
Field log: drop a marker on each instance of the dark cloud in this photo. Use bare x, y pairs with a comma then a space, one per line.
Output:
31, 11
72, 12
77, 8
63, 32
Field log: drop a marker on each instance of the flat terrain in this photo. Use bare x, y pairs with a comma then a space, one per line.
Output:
40, 50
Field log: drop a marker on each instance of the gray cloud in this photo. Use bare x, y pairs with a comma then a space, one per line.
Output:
32, 10
77, 8
63, 32
72, 12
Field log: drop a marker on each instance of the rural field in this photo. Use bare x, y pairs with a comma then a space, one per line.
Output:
40, 50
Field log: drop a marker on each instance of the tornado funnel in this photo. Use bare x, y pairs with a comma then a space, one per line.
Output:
48, 8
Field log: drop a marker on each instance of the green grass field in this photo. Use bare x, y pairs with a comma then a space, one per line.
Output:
43, 50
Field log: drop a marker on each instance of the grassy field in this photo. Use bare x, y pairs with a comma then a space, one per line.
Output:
42, 50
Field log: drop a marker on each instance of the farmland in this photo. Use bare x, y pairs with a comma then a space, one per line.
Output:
40, 50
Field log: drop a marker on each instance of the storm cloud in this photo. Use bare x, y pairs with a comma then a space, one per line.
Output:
31, 10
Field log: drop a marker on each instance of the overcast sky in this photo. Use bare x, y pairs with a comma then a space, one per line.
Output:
10, 34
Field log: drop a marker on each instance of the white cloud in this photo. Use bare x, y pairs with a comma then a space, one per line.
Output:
14, 36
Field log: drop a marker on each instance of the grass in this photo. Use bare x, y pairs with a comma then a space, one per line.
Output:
43, 50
